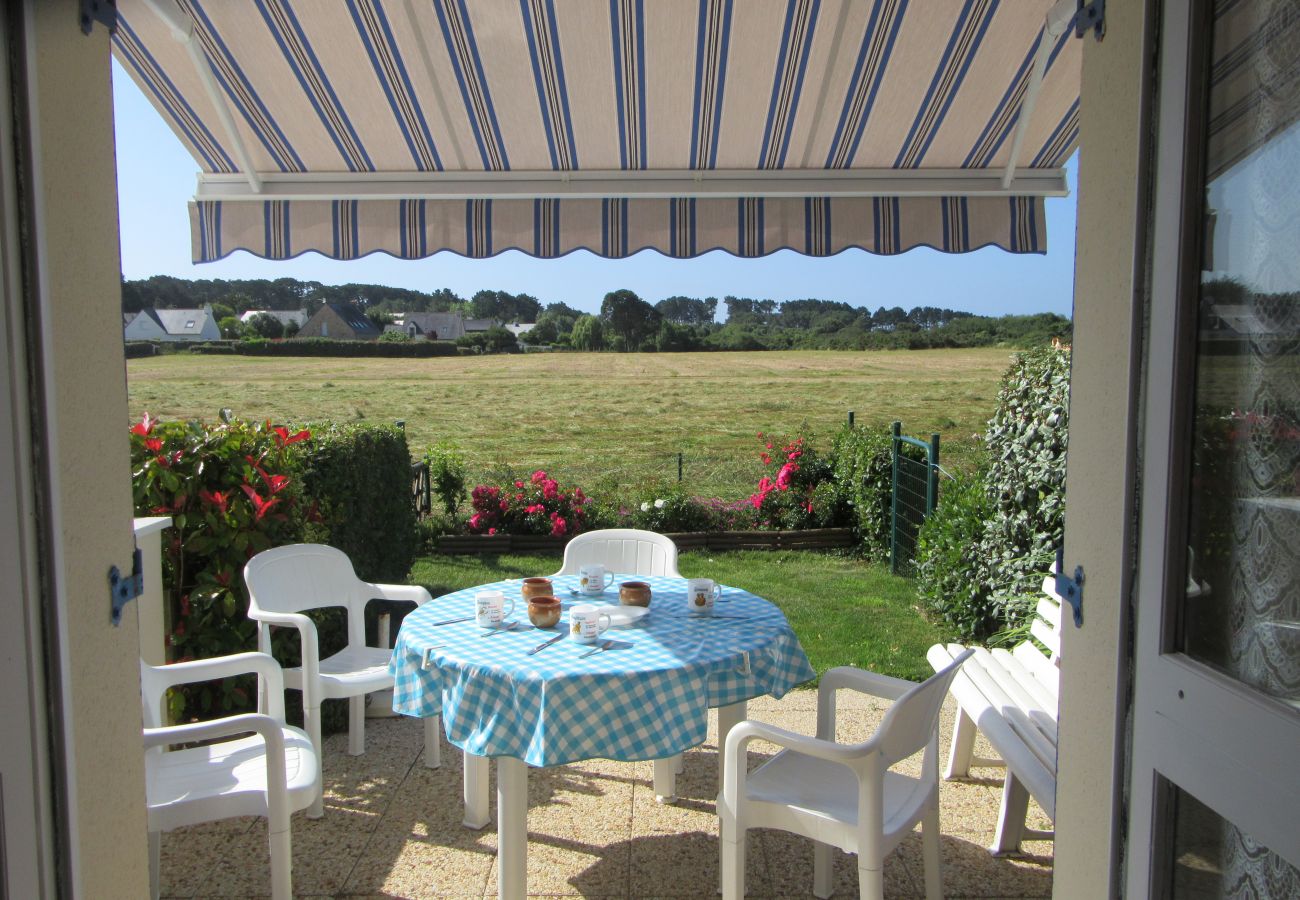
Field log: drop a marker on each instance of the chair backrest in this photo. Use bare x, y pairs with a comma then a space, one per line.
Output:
624, 550
300, 577
1046, 625
912, 719
151, 695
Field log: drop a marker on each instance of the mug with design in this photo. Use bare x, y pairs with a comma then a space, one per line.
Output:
591, 579
587, 623
701, 594
490, 608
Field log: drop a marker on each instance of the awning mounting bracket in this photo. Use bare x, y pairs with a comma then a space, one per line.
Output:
1091, 14
102, 11
122, 589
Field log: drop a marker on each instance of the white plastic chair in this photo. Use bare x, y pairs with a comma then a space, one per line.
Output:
285, 582
841, 795
273, 771
623, 550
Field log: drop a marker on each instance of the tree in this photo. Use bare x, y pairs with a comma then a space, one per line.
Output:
291, 328
629, 317
588, 334
379, 317
505, 307
267, 326
688, 310
231, 328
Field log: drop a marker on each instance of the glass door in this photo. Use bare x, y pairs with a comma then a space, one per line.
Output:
1214, 789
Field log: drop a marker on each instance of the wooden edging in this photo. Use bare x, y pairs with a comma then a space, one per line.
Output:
811, 539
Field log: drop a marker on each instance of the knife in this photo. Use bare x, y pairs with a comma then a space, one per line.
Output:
544, 644
451, 621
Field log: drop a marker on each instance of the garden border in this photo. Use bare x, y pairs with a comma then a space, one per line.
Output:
809, 539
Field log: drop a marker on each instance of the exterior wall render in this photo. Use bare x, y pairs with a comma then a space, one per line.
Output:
83, 448
1109, 299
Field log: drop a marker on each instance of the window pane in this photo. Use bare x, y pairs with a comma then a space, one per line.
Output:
1214, 859
1242, 609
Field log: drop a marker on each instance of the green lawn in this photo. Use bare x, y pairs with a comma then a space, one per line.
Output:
597, 418
844, 611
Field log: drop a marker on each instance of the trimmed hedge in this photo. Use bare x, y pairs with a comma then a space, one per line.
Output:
315, 346
138, 349
863, 464
359, 477
947, 553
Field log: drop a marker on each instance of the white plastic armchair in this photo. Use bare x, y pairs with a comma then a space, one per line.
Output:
263, 768
285, 582
841, 795
623, 550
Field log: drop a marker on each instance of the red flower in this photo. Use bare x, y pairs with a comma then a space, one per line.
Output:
284, 438
549, 489
492, 531
145, 426
539, 476
519, 484
558, 526
261, 506
153, 445
765, 458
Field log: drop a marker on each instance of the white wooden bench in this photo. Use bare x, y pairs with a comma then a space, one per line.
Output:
1011, 696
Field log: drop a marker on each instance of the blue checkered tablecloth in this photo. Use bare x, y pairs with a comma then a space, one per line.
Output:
647, 698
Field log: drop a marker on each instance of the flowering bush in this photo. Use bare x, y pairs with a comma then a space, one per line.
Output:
668, 508
536, 506
232, 490
798, 492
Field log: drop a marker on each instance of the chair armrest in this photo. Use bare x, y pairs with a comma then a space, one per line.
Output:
216, 667
884, 687
409, 593
308, 640
227, 726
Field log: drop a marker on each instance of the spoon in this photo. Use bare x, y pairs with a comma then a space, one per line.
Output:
505, 626
605, 645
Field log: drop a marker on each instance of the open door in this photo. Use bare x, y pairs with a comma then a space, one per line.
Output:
1214, 791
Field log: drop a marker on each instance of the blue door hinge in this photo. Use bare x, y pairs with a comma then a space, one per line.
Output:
122, 589
1070, 589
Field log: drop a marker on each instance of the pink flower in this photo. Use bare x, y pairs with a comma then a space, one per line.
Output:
550, 489
519, 484
769, 445
492, 531
504, 505
765, 458
476, 521
539, 476
558, 526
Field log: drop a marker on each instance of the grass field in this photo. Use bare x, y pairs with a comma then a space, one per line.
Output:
844, 611
590, 417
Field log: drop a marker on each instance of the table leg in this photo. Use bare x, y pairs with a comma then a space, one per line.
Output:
728, 718
512, 828
476, 791
665, 778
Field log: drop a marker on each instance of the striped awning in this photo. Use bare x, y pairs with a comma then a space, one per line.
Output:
347, 127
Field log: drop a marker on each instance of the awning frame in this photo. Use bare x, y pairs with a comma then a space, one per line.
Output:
646, 184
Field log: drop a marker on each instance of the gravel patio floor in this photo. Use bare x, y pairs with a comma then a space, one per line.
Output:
392, 828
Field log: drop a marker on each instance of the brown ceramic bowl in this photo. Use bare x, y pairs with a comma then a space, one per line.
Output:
537, 587
544, 612
634, 593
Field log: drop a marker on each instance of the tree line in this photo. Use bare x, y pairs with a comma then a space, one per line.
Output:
626, 322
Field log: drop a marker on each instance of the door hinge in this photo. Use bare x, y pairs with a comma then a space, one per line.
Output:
102, 11
1070, 589
1091, 14
122, 589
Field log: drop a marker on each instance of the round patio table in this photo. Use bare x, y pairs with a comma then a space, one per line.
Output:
645, 697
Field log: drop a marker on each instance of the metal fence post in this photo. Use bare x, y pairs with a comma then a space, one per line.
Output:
896, 430
932, 483
850, 418
679, 468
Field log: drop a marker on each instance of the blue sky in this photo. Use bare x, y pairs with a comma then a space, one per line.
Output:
156, 179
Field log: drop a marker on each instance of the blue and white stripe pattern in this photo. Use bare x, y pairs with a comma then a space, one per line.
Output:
646, 698
386, 87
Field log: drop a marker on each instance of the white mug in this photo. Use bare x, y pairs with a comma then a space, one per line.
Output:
701, 594
587, 623
591, 578
490, 608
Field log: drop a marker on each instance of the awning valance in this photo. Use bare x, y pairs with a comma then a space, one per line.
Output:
412, 127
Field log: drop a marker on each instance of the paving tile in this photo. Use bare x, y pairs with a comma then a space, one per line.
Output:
186, 858
448, 865
969, 870
790, 861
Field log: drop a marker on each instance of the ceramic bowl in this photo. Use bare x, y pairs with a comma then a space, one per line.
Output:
536, 587
544, 612
634, 593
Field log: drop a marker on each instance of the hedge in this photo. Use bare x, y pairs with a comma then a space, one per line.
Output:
137, 349
360, 478
315, 346
863, 464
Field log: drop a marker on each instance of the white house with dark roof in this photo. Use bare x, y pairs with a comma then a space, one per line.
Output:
285, 316
173, 325
436, 326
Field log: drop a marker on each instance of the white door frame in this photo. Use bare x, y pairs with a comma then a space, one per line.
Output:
26, 809
1233, 748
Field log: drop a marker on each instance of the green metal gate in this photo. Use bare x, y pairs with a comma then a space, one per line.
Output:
916, 491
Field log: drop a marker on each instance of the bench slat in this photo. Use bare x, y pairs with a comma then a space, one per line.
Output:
1045, 698
1039, 666
1021, 706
